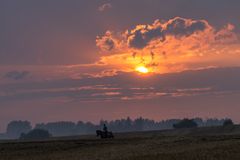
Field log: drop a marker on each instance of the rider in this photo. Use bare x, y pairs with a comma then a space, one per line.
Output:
105, 128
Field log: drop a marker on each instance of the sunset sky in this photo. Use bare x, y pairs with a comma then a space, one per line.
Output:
107, 59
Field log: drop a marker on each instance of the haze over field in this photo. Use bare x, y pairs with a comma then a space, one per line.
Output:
108, 59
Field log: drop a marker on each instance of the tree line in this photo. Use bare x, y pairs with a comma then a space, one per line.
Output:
68, 128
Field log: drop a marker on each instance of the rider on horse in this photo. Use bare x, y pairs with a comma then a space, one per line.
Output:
105, 133
105, 128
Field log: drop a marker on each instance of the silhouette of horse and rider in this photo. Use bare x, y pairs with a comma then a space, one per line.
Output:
105, 133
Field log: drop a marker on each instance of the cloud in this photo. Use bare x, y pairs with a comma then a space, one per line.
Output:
106, 42
104, 7
168, 46
125, 86
226, 35
142, 35
177, 27
16, 75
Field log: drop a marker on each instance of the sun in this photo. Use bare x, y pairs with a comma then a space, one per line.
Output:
142, 69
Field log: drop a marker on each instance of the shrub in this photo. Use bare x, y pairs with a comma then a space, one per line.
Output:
35, 134
228, 122
185, 123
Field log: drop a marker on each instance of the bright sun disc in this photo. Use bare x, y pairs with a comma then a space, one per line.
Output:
142, 69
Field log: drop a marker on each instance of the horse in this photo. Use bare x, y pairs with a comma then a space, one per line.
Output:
103, 134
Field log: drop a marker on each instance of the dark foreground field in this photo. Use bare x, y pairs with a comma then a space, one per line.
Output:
200, 144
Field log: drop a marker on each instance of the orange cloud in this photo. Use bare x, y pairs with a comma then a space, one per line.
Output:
171, 46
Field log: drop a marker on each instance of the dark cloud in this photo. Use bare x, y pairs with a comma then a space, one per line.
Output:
176, 27
16, 75
184, 27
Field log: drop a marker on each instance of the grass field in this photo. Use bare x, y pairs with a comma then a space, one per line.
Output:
198, 144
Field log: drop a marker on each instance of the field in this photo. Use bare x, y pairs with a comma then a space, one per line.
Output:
199, 144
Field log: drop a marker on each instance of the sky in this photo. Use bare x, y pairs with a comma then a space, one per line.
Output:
84, 60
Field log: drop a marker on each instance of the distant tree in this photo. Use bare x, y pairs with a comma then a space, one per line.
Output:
15, 128
138, 124
85, 128
35, 134
199, 121
62, 128
228, 122
91, 128
128, 123
80, 128
185, 123
214, 122
66, 128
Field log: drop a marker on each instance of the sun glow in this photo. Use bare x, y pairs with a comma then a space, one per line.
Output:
142, 69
